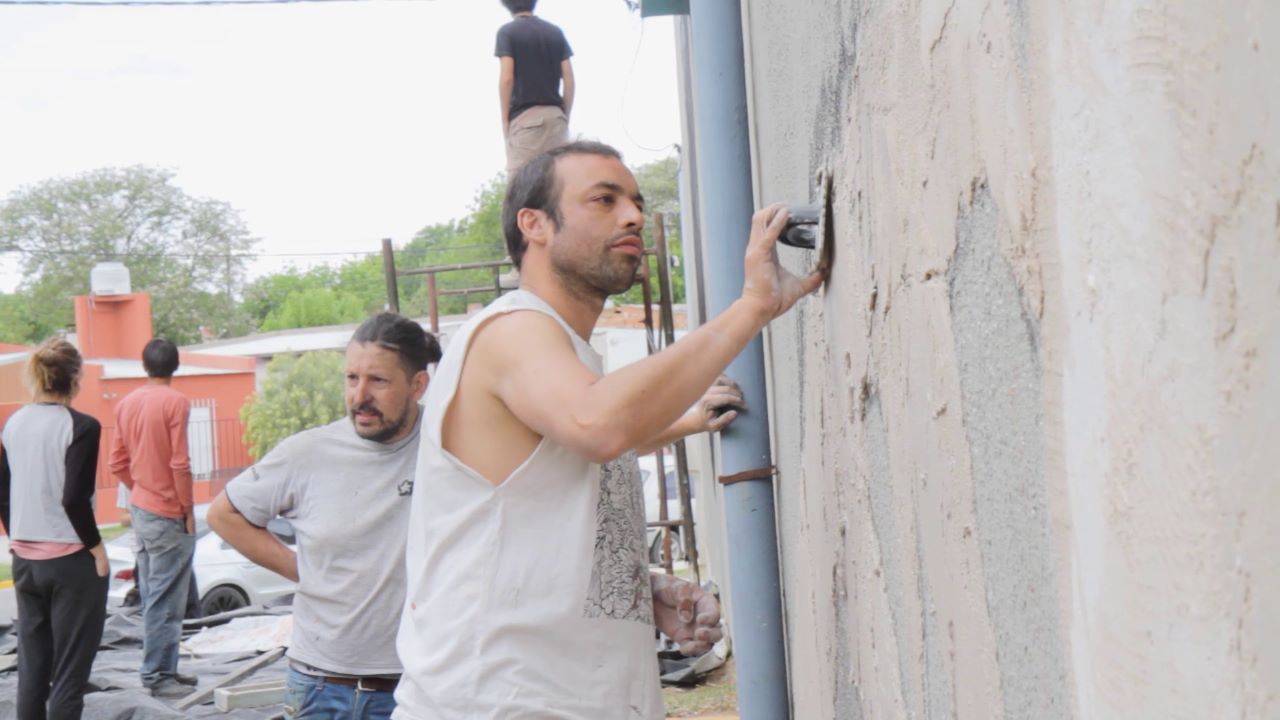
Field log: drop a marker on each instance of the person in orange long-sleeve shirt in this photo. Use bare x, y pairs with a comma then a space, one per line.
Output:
149, 456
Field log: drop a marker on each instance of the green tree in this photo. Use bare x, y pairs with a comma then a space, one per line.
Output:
314, 307
299, 392
188, 253
328, 295
16, 325
364, 281
323, 295
479, 236
475, 238
265, 295
659, 183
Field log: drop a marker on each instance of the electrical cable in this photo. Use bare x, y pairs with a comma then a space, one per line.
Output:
343, 253
626, 90
179, 3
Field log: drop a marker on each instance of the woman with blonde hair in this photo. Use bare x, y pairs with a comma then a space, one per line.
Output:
47, 476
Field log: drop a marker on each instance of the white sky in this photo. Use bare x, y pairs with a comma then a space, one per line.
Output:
328, 125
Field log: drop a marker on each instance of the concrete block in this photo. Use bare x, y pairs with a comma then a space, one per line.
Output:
249, 695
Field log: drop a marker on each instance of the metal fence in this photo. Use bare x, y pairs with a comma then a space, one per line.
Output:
217, 448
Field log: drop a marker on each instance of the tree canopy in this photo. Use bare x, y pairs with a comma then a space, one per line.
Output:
659, 183
299, 392
479, 236
474, 238
189, 253
320, 296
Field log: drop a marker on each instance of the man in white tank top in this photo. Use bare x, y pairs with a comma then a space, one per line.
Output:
529, 594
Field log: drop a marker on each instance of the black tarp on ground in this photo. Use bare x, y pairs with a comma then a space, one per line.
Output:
116, 690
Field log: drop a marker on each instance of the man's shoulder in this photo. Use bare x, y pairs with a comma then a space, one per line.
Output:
529, 27
153, 393
508, 31
167, 400
131, 398
171, 393
519, 312
544, 24
317, 439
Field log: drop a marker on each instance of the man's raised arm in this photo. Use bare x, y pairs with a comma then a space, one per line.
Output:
714, 411
550, 391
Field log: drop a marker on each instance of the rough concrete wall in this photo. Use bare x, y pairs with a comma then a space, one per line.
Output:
1026, 434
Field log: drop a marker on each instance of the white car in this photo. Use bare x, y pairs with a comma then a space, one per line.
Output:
225, 579
649, 480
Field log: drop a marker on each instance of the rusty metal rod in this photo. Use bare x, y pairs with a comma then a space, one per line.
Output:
665, 523
433, 303
478, 265
467, 291
666, 297
668, 562
389, 272
646, 291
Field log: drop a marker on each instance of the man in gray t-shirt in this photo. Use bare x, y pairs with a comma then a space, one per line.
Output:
345, 487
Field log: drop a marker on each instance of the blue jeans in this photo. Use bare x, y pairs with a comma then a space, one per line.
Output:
163, 554
308, 697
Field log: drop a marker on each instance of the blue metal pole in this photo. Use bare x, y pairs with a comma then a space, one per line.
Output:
720, 119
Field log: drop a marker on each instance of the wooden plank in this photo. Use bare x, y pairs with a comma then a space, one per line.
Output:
249, 696
247, 668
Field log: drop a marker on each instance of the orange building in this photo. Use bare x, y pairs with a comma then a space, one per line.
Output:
111, 331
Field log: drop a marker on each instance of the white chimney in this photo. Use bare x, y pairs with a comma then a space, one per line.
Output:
109, 278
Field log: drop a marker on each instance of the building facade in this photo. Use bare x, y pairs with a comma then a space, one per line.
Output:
111, 331
1024, 436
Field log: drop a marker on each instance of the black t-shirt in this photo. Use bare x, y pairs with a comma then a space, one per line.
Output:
538, 48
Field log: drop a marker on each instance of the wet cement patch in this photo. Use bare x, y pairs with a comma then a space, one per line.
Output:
1001, 379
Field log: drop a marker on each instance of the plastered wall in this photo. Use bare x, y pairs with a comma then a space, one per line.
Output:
1029, 435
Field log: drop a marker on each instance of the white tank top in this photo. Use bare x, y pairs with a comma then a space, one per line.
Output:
530, 599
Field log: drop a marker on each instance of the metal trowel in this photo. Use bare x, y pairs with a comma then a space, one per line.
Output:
809, 227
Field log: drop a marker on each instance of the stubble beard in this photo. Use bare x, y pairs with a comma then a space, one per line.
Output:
596, 278
388, 430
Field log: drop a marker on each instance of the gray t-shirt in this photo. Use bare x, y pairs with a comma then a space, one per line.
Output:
348, 501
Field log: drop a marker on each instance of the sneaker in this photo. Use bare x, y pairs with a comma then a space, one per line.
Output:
188, 680
169, 688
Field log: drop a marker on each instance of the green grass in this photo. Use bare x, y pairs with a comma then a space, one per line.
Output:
6, 573
111, 532
718, 694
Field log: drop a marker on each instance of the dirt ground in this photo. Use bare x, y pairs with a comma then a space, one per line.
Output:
716, 698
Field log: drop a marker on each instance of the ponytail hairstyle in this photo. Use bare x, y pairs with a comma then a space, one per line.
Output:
53, 368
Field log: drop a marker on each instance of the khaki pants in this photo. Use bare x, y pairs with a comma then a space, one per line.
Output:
534, 132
